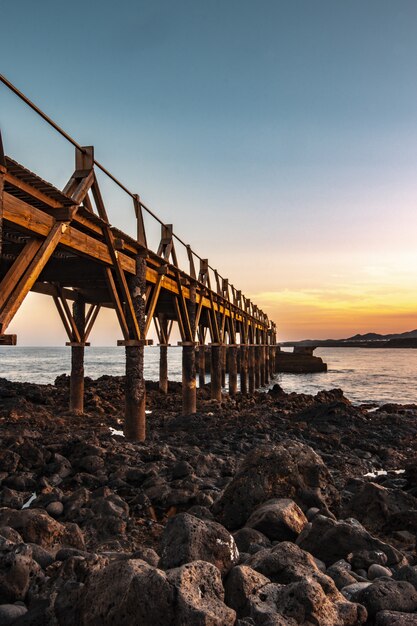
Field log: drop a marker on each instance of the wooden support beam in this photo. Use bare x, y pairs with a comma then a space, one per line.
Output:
243, 368
31, 274
117, 303
232, 367
8, 340
251, 368
163, 354
77, 356
17, 270
216, 371
189, 386
151, 305
141, 233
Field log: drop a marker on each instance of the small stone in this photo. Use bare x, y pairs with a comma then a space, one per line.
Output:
55, 509
9, 613
352, 591
377, 571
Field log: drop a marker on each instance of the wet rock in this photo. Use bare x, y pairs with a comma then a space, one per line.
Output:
289, 469
9, 613
241, 582
126, 593
390, 595
279, 519
202, 512
36, 526
331, 541
187, 538
394, 618
200, 596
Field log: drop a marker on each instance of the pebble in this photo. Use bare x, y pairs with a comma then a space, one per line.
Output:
55, 509
376, 571
9, 613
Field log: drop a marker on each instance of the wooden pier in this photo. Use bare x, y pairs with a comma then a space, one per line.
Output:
60, 243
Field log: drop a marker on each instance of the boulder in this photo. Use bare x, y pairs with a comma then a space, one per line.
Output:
241, 582
199, 596
36, 526
390, 595
187, 538
284, 563
407, 573
330, 541
126, 592
280, 519
304, 602
289, 469
373, 505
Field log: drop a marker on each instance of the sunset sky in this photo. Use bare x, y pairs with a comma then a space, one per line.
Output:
278, 136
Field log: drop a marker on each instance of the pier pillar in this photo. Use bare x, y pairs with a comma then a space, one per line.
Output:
251, 368
243, 368
266, 353
262, 365
201, 365
77, 359
271, 361
232, 358
163, 368
257, 366
135, 390
216, 371
224, 365
189, 391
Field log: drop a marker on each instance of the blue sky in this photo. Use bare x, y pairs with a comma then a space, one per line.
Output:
280, 138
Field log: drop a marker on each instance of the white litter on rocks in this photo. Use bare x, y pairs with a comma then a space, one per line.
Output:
28, 502
114, 431
382, 473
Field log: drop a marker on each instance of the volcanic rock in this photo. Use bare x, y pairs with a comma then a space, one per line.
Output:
331, 541
187, 538
289, 469
279, 519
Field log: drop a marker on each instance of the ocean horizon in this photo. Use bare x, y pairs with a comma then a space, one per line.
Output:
366, 376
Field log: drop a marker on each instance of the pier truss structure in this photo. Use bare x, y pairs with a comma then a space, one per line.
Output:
60, 243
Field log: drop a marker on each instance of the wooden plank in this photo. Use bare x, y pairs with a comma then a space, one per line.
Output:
16, 271
32, 191
31, 274
8, 340
76, 335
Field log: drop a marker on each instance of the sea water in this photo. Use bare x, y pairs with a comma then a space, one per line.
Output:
375, 375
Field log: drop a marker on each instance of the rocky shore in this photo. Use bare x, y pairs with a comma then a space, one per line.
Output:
271, 510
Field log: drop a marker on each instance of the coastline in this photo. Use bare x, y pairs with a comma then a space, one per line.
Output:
104, 504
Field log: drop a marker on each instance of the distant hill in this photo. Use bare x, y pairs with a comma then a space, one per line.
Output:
368, 340
411, 334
